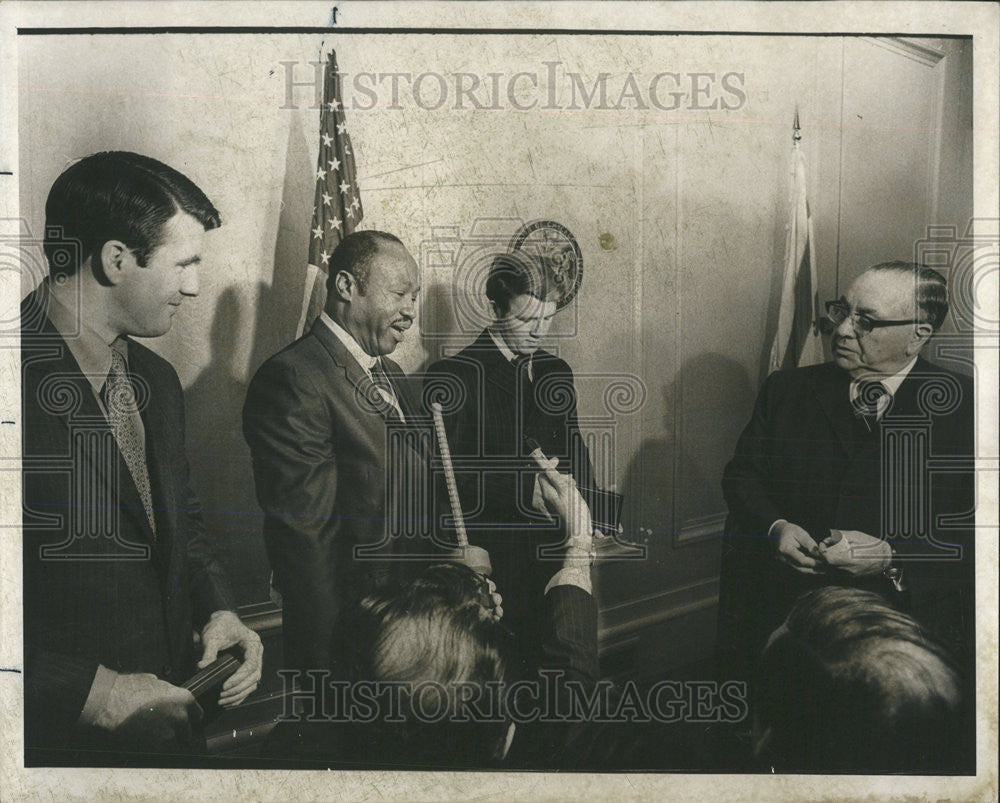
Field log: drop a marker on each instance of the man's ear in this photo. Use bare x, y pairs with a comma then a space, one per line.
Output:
344, 284
112, 262
921, 334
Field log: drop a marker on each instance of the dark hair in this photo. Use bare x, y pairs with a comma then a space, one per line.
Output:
930, 289
515, 274
430, 635
851, 684
356, 254
116, 195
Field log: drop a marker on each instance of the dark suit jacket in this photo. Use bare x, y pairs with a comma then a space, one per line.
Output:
322, 477
806, 458
495, 477
97, 588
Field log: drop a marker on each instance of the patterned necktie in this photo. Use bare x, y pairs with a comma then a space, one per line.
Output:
119, 401
870, 392
382, 382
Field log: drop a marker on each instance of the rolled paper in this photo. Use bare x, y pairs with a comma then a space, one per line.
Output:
476, 558
213, 675
449, 476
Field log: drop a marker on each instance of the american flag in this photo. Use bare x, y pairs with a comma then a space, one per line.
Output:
337, 207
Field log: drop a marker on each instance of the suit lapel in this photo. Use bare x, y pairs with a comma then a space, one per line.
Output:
420, 441
365, 392
46, 352
905, 401
501, 403
499, 373
159, 461
831, 388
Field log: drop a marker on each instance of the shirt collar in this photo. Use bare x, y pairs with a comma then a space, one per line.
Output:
364, 359
891, 383
501, 345
91, 352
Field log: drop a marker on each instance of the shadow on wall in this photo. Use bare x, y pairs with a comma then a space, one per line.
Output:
280, 304
220, 461
438, 327
675, 476
220, 458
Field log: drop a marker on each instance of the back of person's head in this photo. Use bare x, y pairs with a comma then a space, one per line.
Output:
116, 195
850, 684
433, 657
514, 274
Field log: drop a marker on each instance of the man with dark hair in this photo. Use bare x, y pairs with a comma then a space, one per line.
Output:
848, 683
118, 569
516, 397
320, 417
831, 481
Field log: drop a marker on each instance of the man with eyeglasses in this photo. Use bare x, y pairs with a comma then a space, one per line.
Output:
833, 480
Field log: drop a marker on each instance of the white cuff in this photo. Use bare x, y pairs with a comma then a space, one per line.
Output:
578, 576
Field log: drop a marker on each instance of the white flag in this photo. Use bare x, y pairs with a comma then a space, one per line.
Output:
797, 340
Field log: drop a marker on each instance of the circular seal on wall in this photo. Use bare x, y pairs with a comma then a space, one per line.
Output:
557, 250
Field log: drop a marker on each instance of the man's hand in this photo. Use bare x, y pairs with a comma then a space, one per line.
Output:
497, 610
796, 548
146, 713
856, 553
224, 629
562, 498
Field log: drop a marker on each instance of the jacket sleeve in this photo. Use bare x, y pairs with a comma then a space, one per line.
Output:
580, 465
570, 639
752, 505
568, 680
289, 429
56, 686
208, 583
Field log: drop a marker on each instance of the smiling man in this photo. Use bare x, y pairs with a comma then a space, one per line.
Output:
118, 568
516, 396
832, 480
318, 418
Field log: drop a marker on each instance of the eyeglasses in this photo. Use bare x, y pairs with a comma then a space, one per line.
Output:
837, 312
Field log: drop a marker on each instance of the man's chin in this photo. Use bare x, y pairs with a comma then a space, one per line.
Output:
843, 362
152, 331
388, 345
844, 359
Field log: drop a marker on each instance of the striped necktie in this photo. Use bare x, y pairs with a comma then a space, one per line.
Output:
383, 383
870, 392
119, 401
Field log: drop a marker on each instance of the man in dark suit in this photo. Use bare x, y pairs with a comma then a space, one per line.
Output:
515, 396
831, 481
118, 569
322, 418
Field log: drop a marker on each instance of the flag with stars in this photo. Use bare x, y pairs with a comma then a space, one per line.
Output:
337, 205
